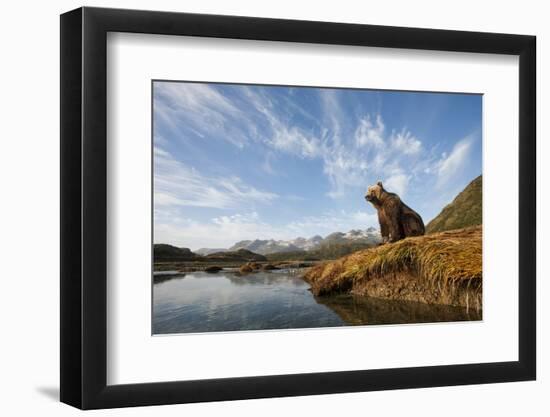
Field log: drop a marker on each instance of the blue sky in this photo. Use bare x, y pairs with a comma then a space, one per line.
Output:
234, 162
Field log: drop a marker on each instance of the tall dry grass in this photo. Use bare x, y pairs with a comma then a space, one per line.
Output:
444, 263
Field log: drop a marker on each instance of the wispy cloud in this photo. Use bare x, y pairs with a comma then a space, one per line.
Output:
278, 133
370, 132
344, 168
342, 165
197, 98
405, 142
176, 184
398, 183
449, 165
351, 149
293, 140
198, 109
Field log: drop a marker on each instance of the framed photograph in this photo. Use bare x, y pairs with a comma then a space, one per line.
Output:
256, 208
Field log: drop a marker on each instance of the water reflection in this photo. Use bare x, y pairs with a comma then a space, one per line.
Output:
227, 301
280, 277
167, 275
203, 302
356, 310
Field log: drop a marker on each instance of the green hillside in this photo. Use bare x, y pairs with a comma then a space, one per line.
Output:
464, 211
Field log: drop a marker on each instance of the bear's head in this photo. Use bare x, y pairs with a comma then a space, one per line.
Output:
374, 193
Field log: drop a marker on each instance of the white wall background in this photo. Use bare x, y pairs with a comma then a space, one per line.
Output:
29, 173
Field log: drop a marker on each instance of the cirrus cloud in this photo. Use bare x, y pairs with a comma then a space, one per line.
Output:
449, 165
176, 184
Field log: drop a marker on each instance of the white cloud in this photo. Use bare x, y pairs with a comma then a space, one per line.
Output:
333, 116
405, 142
370, 133
343, 168
293, 140
449, 165
370, 153
266, 165
397, 183
374, 154
176, 184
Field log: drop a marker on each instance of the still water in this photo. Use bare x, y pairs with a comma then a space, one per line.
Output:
226, 301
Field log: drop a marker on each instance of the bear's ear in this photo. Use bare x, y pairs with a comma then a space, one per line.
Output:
379, 183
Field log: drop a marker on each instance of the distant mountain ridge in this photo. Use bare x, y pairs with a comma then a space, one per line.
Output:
465, 210
255, 250
270, 246
209, 251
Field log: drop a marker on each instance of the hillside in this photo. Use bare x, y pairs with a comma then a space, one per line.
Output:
440, 268
465, 210
241, 255
168, 253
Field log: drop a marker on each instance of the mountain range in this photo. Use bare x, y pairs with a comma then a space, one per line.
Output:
270, 246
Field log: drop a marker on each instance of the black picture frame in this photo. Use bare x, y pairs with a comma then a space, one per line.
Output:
84, 207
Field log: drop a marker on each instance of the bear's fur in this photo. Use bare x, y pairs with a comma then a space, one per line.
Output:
397, 220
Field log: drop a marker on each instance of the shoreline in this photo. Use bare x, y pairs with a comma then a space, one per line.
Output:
441, 268
167, 271
190, 266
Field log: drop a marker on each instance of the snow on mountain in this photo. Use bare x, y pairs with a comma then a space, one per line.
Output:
307, 244
264, 247
361, 234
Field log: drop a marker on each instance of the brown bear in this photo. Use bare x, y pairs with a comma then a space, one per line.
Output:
397, 220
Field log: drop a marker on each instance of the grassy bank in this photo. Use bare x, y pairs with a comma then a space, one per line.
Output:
440, 268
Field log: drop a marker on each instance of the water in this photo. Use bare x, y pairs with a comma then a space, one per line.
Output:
226, 301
